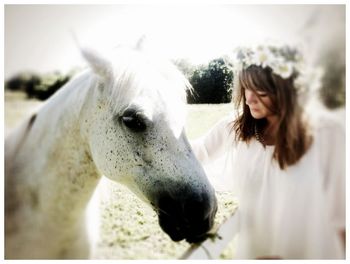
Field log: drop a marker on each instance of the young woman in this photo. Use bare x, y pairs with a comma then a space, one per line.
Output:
288, 169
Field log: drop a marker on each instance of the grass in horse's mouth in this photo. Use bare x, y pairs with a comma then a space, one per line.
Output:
213, 236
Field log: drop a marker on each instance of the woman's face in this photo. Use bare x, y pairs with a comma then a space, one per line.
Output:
259, 103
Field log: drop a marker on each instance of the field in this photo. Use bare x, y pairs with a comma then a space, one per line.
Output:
129, 228
17, 107
203, 116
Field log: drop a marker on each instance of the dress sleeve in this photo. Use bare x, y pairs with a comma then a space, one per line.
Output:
333, 164
215, 142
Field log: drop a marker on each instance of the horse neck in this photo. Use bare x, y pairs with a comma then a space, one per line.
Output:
57, 155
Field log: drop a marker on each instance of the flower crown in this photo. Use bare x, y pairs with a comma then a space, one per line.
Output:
284, 60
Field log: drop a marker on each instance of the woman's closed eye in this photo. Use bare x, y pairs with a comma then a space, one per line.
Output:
261, 94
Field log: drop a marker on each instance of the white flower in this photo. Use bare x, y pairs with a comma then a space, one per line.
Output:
282, 60
285, 70
262, 56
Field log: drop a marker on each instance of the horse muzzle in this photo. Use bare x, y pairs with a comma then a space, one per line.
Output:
189, 218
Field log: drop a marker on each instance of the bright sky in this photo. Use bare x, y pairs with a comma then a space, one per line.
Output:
40, 38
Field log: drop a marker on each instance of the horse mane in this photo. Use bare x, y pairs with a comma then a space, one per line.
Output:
131, 68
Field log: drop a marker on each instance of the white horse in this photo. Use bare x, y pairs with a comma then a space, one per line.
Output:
123, 118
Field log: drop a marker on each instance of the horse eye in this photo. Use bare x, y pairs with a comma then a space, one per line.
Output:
134, 122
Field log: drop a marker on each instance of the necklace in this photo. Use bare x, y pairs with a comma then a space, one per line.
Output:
258, 136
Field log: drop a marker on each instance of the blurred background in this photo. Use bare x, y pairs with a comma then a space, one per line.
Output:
41, 52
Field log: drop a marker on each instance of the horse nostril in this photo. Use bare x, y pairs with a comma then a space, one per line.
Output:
188, 216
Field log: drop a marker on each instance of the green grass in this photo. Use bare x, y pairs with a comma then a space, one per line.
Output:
203, 116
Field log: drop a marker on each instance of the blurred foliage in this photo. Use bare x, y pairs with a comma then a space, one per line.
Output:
22, 82
332, 91
211, 83
38, 86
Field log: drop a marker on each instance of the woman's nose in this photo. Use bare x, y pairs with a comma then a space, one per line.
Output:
250, 97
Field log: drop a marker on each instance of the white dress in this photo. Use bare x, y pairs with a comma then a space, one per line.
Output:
296, 213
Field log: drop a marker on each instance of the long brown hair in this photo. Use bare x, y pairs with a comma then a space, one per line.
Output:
293, 138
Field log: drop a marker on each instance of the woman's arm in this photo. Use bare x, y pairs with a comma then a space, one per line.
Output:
214, 143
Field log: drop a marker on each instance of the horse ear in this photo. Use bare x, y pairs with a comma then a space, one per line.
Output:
99, 63
141, 43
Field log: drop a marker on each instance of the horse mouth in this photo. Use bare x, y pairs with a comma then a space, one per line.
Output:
179, 229
189, 216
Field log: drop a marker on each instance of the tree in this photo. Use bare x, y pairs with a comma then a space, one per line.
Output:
37, 86
212, 83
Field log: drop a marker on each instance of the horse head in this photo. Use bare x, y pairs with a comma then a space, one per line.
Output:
136, 137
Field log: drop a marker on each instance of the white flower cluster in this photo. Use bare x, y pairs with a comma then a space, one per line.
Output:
284, 60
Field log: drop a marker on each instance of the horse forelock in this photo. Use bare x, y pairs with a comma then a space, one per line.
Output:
136, 72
